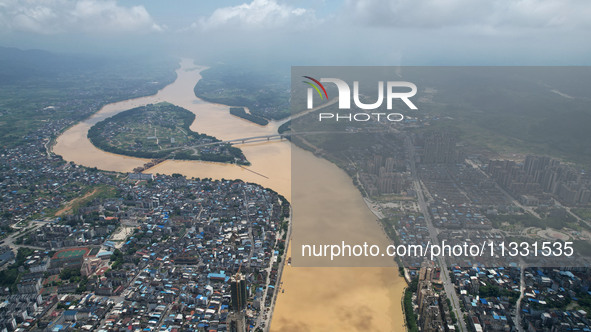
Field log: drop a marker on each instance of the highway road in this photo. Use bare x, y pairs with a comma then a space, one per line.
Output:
433, 232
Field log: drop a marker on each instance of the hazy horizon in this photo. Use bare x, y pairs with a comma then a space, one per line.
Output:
303, 32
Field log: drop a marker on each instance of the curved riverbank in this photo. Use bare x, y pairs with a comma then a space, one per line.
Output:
315, 299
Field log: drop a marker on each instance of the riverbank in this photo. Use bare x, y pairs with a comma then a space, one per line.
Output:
315, 299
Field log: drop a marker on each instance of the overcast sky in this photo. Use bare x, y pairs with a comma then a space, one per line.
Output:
321, 32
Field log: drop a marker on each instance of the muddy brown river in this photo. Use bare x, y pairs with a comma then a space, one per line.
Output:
315, 298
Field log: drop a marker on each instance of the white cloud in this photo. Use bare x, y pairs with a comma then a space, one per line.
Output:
58, 16
257, 14
486, 14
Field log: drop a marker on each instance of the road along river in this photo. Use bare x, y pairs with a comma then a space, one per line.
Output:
315, 299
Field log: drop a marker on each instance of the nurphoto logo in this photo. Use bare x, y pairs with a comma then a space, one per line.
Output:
391, 92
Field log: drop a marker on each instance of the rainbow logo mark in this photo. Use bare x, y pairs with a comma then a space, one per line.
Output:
315, 87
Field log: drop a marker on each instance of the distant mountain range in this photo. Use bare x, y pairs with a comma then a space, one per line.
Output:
18, 65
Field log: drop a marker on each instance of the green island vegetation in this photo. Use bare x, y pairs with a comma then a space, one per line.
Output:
160, 131
241, 113
37, 85
264, 93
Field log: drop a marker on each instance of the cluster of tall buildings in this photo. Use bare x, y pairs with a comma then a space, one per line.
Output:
539, 175
382, 176
238, 292
440, 147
